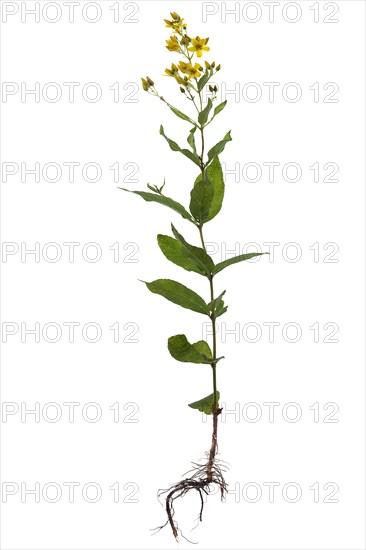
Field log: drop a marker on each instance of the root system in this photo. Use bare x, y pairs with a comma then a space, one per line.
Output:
204, 478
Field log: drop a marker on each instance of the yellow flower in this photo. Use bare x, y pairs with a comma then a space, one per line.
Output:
173, 71
199, 46
172, 44
190, 70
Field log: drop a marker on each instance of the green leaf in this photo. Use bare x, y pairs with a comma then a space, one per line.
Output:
154, 189
220, 308
178, 294
203, 80
219, 147
192, 156
202, 196
191, 139
180, 114
216, 177
219, 267
206, 404
213, 304
203, 115
219, 108
217, 305
172, 250
175, 147
183, 351
162, 199
196, 254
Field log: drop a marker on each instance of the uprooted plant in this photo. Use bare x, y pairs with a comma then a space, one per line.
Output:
205, 203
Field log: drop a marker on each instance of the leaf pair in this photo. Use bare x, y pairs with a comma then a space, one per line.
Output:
217, 306
175, 147
206, 196
203, 115
215, 151
185, 297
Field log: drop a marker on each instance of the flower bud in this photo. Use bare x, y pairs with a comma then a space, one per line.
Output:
218, 67
149, 81
175, 16
185, 40
145, 84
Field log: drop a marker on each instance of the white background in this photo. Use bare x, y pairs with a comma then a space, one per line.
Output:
141, 376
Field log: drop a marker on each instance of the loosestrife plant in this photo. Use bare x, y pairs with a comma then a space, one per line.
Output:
206, 199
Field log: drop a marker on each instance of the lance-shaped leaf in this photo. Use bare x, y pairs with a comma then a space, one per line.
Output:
216, 177
206, 404
212, 305
220, 308
236, 259
216, 306
172, 250
183, 351
162, 199
203, 80
178, 294
219, 108
175, 147
219, 147
198, 255
202, 196
180, 114
191, 139
203, 116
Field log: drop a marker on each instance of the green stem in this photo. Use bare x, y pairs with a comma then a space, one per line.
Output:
213, 320
201, 237
201, 127
214, 351
215, 408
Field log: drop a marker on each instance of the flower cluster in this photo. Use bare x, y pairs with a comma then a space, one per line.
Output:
177, 24
187, 71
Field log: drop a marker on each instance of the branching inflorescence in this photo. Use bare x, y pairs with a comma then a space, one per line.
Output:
205, 203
